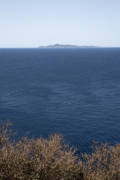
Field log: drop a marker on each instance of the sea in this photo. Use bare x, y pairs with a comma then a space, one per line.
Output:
72, 92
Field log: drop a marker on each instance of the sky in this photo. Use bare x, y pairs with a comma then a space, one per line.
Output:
32, 23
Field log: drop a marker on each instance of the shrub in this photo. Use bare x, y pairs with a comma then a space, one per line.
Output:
51, 159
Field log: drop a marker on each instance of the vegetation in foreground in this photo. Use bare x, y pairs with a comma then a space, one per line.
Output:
51, 159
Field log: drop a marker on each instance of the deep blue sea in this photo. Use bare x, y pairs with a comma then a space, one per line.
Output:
74, 92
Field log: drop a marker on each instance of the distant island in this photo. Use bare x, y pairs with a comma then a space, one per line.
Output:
66, 46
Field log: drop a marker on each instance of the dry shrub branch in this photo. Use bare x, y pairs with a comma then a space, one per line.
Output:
51, 159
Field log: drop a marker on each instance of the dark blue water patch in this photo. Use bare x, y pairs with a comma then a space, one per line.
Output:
74, 92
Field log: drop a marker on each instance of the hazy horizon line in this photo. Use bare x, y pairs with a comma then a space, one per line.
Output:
45, 47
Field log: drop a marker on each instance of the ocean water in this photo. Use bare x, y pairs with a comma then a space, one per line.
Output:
74, 92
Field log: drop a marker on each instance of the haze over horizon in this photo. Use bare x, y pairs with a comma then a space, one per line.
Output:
35, 23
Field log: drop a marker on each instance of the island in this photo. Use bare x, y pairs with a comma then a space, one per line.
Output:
66, 46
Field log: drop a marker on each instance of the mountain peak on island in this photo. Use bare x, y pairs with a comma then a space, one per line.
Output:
66, 46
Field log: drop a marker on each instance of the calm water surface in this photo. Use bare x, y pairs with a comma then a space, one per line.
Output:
75, 92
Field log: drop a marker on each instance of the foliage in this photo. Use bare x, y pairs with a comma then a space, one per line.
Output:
51, 159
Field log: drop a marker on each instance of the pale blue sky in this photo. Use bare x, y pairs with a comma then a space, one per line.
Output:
30, 23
